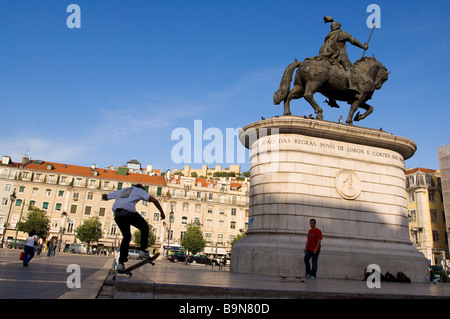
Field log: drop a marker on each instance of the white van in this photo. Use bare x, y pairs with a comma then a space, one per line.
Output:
78, 248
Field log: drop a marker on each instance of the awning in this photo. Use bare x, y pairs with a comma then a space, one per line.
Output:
215, 250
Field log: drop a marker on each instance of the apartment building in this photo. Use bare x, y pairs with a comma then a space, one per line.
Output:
427, 220
70, 194
220, 205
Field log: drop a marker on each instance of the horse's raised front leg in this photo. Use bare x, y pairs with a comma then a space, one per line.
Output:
352, 111
368, 108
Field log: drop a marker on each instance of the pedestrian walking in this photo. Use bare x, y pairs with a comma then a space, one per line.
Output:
39, 246
30, 242
125, 215
312, 249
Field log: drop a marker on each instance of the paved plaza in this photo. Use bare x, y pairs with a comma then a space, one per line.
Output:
168, 280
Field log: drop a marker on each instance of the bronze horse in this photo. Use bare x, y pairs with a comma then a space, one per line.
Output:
319, 75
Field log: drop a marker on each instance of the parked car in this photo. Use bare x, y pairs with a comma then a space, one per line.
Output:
177, 256
76, 248
133, 254
20, 243
202, 259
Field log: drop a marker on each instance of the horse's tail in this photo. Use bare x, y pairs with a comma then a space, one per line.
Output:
285, 83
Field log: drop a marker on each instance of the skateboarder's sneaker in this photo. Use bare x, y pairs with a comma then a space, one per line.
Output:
144, 254
120, 268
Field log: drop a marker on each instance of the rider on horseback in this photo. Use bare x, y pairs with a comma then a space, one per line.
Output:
334, 48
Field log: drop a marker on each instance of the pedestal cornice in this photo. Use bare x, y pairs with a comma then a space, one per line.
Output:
329, 130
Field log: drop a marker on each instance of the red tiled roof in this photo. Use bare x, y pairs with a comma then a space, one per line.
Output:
89, 172
425, 170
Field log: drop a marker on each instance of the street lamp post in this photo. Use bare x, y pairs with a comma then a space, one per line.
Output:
12, 199
61, 231
17, 226
170, 228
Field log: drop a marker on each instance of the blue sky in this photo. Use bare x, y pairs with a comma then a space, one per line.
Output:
136, 70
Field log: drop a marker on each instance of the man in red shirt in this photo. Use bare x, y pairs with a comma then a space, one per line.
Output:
312, 249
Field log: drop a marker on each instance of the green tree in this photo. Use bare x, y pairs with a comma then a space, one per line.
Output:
36, 219
193, 240
90, 231
237, 238
151, 236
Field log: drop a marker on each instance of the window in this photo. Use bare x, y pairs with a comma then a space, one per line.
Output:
209, 222
412, 216
75, 195
4, 201
78, 182
185, 207
113, 230
58, 206
144, 214
51, 179
119, 185
411, 196
435, 236
34, 191
415, 237
60, 194
8, 187
159, 191
21, 189
198, 208
90, 195
208, 237
433, 215
69, 227
45, 205
210, 196
199, 195
233, 225
63, 179
92, 183
184, 220
156, 217
102, 211
87, 210
233, 212
431, 196
73, 209
48, 192
18, 202
220, 239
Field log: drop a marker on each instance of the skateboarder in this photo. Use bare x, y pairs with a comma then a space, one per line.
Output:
312, 249
125, 215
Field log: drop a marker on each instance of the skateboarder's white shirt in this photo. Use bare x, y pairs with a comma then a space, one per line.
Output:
127, 198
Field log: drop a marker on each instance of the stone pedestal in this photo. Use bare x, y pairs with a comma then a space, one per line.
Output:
350, 179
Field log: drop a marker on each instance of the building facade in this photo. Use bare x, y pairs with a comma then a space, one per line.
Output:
444, 167
427, 221
70, 194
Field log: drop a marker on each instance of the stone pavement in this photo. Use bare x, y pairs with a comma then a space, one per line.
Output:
175, 281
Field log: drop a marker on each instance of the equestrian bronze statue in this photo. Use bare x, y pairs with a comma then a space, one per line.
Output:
332, 74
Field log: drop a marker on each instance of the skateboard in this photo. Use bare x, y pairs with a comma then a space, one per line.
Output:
128, 271
286, 279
